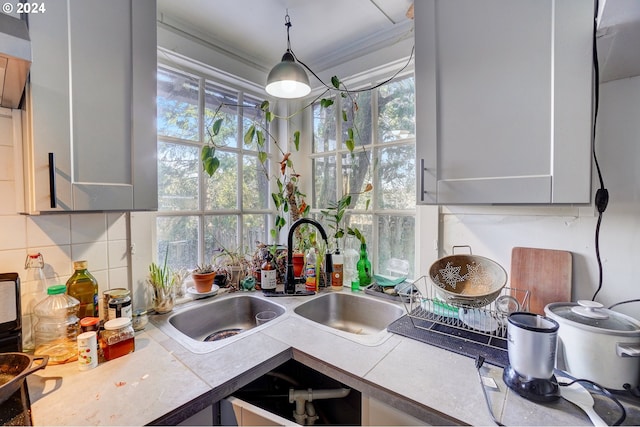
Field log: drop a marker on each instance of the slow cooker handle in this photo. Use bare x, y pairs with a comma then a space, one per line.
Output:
627, 349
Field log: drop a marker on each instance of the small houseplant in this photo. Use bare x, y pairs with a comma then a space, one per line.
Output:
232, 263
162, 280
203, 277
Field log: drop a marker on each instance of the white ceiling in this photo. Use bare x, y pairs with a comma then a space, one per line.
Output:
325, 33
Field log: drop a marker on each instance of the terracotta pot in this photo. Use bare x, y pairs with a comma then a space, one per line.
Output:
203, 282
298, 264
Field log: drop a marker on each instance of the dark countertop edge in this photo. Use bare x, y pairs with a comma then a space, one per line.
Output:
218, 393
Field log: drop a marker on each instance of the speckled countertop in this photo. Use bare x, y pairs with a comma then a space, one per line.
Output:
163, 382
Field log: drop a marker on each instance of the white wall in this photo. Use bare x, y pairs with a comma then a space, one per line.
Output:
493, 231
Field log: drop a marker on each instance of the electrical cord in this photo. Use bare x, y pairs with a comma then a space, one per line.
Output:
623, 302
413, 48
479, 363
603, 391
602, 194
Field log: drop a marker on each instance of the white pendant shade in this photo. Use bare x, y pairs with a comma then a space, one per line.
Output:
288, 79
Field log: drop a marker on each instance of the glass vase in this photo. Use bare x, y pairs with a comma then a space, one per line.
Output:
163, 299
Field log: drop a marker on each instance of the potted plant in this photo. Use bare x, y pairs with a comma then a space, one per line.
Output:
233, 263
203, 277
162, 281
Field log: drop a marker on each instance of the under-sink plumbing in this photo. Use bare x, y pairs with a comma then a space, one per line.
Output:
305, 412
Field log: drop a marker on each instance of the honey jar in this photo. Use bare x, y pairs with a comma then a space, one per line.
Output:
117, 339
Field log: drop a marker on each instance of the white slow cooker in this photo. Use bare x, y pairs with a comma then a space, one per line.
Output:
597, 344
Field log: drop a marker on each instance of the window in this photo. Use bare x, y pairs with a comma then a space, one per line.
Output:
384, 155
196, 213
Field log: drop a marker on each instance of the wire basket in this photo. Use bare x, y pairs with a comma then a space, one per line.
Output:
426, 308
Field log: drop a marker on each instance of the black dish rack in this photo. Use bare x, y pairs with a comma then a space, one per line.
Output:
456, 327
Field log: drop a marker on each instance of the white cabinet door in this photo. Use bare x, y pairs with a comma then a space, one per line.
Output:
503, 101
91, 107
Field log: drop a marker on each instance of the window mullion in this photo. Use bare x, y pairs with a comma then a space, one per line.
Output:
201, 175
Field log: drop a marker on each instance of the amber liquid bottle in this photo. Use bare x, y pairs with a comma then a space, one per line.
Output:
84, 287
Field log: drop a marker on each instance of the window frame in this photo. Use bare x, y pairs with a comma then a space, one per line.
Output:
374, 147
244, 91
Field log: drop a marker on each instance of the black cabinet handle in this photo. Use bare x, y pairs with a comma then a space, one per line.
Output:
421, 179
52, 180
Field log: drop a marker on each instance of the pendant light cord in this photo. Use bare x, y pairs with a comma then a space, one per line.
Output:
602, 194
288, 24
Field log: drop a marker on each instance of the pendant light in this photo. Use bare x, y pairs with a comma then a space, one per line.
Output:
288, 79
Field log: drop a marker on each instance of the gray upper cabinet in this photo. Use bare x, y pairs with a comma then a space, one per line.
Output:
90, 134
503, 101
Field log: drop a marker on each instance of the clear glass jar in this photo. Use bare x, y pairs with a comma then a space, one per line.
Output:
118, 338
57, 326
120, 304
140, 319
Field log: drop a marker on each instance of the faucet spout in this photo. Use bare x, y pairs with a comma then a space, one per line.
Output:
289, 281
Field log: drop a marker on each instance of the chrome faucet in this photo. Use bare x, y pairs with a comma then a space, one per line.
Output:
289, 281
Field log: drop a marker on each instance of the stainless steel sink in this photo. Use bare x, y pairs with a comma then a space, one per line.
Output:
358, 317
204, 327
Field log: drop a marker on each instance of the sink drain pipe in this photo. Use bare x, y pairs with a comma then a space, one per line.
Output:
305, 412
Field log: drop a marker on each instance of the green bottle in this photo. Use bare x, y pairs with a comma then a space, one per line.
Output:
84, 287
364, 267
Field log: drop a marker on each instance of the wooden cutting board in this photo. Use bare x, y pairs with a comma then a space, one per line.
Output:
545, 273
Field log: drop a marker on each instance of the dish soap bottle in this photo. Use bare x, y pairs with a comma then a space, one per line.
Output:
338, 271
268, 274
36, 283
310, 270
84, 287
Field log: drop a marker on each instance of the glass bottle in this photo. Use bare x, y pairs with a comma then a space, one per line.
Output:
37, 286
364, 267
268, 274
57, 326
84, 287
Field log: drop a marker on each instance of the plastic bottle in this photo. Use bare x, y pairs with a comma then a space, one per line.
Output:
36, 283
84, 287
310, 270
364, 267
57, 327
337, 276
349, 268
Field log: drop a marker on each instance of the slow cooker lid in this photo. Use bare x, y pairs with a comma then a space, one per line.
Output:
600, 317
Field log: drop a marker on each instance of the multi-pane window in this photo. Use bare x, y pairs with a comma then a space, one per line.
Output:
383, 126
198, 214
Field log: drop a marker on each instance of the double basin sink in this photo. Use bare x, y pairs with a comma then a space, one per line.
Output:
205, 326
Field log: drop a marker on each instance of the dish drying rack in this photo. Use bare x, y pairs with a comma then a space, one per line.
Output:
485, 325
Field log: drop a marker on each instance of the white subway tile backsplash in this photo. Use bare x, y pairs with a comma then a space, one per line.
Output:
57, 263
119, 278
12, 261
87, 228
117, 226
96, 254
118, 250
13, 232
48, 230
